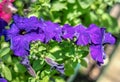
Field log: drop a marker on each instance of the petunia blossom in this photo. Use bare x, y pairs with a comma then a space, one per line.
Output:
22, 31
2, 79
2, 26
6, 10
82, 36
68, 32
98, 38
51, 30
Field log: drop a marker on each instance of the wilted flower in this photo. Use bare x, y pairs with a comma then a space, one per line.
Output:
22, 31
55, 65
98, 38
2, 26
26, 63
6, 10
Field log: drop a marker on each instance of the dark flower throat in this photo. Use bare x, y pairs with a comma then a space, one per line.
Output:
22, 32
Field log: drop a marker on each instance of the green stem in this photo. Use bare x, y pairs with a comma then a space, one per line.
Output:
72, 77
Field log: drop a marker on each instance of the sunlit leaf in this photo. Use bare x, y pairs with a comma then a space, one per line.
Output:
45, 79
85, 3
19, 68
7, 73
4, 51
58, 6
7, 59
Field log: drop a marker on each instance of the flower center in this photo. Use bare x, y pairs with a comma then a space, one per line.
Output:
22, 32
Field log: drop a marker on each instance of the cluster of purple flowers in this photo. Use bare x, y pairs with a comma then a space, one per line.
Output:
24, 30
93, 36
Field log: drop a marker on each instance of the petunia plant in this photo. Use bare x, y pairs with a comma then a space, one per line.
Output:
35, 48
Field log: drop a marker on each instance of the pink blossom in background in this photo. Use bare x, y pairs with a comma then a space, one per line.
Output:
6, 10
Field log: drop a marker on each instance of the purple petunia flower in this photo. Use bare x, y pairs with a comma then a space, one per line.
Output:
98, 38
51, 30
2, 79
22, 31
55, 65
2, 26
82, 36
68, 32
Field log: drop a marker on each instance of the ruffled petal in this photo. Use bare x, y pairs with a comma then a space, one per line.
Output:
12, 32
58, 34
96, 34
83, 40
109, 38
97, 53
35, 37
25, 23
83, 37
51, 31
68, 32
20, 46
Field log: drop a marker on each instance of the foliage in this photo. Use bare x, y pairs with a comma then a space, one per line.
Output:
72, 12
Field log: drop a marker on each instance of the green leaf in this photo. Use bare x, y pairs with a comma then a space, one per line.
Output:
4, 44
84, 53
19, 68
71, 1
58, 79
85, 3
54, 49
100, 11
4, 51
45, 79
58, 6
41, 48
6, 72
83, 62
93, 17
69, 70
7, 59
38, 64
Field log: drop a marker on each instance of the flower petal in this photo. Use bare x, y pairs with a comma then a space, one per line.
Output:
12, 32
83, 37
35, 37
96, 34
20, 46
97, 53
3, 80
109, 38
52, 31
25, 23
68, 32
